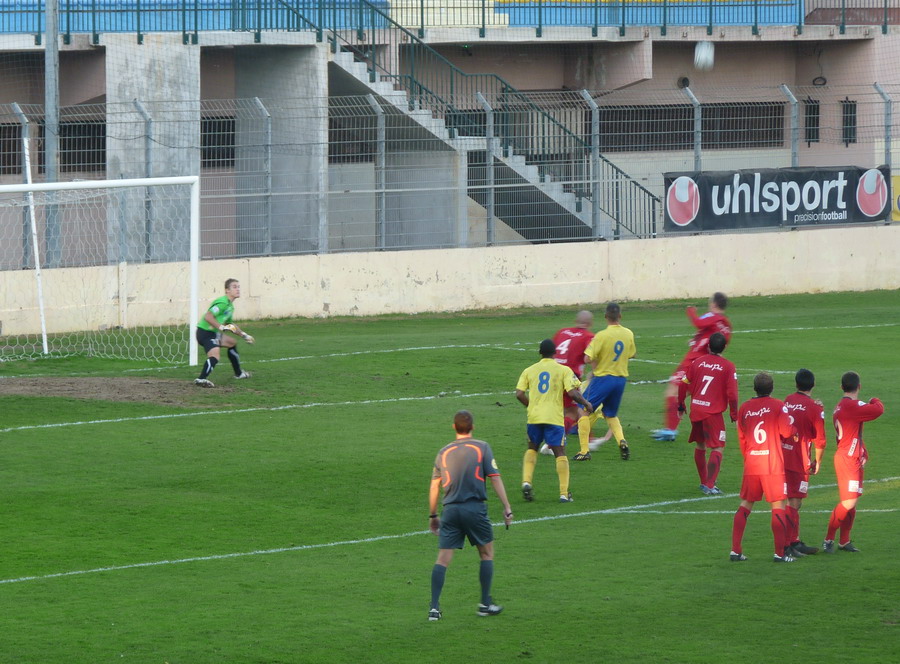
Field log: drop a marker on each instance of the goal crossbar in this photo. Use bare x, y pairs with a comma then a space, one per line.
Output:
193, 181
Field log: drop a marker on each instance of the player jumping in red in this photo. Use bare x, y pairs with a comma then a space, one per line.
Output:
707, 325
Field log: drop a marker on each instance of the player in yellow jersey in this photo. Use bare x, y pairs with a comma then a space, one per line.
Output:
608, 355
540, 389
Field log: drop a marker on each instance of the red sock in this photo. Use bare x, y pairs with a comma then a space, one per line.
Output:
846, 525
672, 416
737, 529
779, 530
793, 516
837, 516
700, 462
712, 468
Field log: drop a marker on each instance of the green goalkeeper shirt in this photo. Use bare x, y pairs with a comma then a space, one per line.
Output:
223, 310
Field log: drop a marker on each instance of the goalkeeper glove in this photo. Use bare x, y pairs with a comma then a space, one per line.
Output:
249, 339
227, 328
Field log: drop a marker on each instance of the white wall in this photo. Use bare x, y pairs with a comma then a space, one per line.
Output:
360, 284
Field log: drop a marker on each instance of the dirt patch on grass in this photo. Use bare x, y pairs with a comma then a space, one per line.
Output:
167, 392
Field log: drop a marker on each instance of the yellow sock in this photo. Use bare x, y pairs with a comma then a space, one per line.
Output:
562, 469
584, 433
528, 465
616, 427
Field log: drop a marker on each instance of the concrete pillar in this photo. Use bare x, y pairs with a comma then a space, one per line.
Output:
299, 156
164, 75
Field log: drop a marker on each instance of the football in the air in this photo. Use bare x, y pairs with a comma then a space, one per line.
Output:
704, 55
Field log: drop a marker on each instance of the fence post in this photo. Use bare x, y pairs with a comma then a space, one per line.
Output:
148, 173
482, 30
698, 129
421, 20
267, 172
888, 121
595, 164
489, 165
795, 125
380, 200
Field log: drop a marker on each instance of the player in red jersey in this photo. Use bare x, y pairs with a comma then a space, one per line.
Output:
849, 458
571, 343
708, 324
808, 418
762, 423
712, 382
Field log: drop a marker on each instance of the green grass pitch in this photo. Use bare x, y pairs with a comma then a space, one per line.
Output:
283, 519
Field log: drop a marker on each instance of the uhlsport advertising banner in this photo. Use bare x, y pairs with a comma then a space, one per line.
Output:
765, 197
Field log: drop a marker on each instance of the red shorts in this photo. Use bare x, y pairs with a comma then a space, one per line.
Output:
797, 483
849, 471
754, 487
710, 431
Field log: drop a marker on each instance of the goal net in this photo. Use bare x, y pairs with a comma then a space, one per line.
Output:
105, 268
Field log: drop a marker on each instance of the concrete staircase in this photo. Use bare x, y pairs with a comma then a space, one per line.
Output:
533, 205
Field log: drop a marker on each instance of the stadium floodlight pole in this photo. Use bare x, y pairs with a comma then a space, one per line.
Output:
51, 122
888, 120
35, 246
795, 125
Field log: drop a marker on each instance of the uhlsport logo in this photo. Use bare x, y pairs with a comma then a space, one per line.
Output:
871, 193
683, 201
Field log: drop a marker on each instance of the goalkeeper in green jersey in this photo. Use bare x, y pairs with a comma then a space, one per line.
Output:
210, 334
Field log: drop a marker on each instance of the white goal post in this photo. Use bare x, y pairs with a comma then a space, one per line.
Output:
108, 268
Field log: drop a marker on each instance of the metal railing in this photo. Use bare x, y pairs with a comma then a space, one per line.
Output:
522, 127
191, 17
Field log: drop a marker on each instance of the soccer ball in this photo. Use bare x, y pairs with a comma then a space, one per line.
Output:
704, 55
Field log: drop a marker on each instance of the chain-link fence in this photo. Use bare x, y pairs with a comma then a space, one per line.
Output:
379, 172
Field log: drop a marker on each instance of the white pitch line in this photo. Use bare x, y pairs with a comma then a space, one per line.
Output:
629, 509
731, 512
793, 329
256, 409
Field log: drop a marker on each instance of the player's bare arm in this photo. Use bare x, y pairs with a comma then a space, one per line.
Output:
522, 397
576, 396
500, 490
434, 493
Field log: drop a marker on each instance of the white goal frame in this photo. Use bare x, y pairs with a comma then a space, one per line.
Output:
194, 251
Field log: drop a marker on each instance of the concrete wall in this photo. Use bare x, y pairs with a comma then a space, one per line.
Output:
422, 206
820, 260
352, 206
159, 70
298, 175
